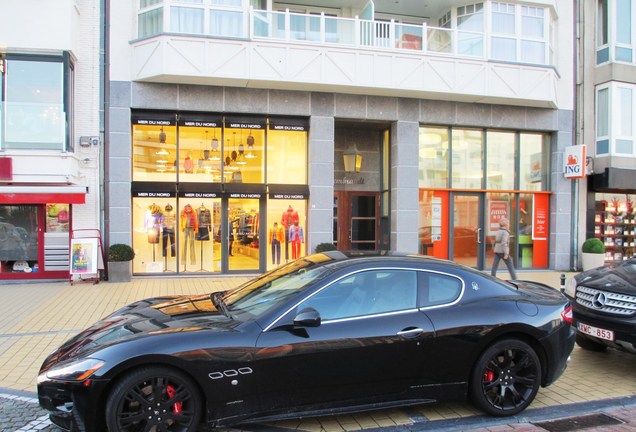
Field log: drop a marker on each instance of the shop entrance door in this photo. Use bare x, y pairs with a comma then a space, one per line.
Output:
466, 243
356, 220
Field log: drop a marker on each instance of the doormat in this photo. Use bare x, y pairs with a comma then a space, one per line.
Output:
578, 423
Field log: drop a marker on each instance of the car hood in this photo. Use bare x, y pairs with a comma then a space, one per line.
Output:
157, 316
619, 278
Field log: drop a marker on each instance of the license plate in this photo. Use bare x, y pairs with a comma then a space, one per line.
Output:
595, 331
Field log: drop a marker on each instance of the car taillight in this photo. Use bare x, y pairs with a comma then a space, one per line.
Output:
567, 314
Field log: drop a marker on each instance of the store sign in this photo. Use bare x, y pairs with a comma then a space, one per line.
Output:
287, 196
574, 161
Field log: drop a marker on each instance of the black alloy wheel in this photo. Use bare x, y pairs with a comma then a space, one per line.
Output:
506, 378
154, 399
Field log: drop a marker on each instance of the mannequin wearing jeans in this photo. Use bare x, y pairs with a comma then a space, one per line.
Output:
189, 224
502, 249
276, 237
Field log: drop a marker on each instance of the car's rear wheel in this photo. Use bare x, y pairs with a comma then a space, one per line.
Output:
506, 378
588, 344
154, 398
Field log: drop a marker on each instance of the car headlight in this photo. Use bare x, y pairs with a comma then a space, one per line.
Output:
570, 288
75, 371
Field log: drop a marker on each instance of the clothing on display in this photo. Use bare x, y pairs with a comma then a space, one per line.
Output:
189, 225
296, 237
153, 223
276, 237
168, 230
205, 223
290, 217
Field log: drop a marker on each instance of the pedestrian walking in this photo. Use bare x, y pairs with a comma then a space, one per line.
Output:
502, 249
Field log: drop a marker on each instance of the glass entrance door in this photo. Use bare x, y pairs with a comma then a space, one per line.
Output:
356, 220
466, 243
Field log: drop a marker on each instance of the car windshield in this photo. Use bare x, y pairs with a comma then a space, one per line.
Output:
274, 287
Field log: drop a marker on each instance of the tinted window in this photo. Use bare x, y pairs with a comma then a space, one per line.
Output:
366, 293
438, 289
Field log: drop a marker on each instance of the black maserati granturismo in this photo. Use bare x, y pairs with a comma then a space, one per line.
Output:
325, 334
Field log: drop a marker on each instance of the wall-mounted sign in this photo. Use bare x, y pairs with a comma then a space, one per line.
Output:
574, 161
496, 211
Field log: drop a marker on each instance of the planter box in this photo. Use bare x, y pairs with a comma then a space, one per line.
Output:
590, 260
119, 271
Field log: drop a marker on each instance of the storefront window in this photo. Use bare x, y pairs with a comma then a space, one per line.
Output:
286, 231
533, 156
467, 150
243, 234
287, 151
200, 149
615, 224
433, 157
18, 238
244, 150
154, 148
500, 155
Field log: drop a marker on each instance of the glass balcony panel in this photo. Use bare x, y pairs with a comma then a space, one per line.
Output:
470, 44
532, 52
439, 40
503, 49
226, 23
408, 36
186, 20
150, 23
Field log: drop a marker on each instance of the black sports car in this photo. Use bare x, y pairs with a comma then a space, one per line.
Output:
604, 306
325, 334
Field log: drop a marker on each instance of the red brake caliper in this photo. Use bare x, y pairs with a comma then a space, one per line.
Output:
177, 408
489, 376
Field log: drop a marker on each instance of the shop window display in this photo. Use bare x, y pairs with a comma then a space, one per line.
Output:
154, 149
243, 234
285, 146
200, 151
243, 152
286, 231
18, 238
615, 225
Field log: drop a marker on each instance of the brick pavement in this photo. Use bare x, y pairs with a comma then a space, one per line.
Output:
35, 318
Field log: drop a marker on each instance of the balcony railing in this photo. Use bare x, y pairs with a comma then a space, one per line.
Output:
214, 21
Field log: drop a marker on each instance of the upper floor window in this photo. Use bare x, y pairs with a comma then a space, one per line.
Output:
37, 103
614, 31
615, 133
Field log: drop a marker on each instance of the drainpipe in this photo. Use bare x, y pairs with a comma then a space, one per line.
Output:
104, 119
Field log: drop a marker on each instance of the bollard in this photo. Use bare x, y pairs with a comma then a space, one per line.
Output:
562, 282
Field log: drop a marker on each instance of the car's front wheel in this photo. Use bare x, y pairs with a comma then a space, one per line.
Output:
154, 398
506, 378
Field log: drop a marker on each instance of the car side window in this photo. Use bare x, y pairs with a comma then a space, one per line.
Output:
366, 293
438, 289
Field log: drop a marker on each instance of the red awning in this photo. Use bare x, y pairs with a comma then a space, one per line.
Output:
43, 194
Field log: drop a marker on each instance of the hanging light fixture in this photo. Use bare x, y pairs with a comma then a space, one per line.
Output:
162, 136
250, 147
352, 159
214, 144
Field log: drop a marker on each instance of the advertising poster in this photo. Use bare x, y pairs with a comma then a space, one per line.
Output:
496, 211
83, 256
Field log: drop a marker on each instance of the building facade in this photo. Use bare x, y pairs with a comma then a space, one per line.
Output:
605, 122
243, 134
49, 133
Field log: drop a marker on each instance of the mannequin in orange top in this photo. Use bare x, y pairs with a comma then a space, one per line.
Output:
276, 237
189, 224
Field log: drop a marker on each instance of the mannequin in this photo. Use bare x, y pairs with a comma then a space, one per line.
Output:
169, 224
290, 216
296, 237
205, 223
276, 237
153, 222
189, 225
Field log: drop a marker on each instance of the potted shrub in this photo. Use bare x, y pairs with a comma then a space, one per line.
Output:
324, 247
119, 262
593, 253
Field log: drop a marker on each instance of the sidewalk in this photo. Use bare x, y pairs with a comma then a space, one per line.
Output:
35, 318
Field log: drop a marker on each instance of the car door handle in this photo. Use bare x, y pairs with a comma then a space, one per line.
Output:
410, 333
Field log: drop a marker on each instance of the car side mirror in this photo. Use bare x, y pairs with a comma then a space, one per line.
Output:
308, 317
